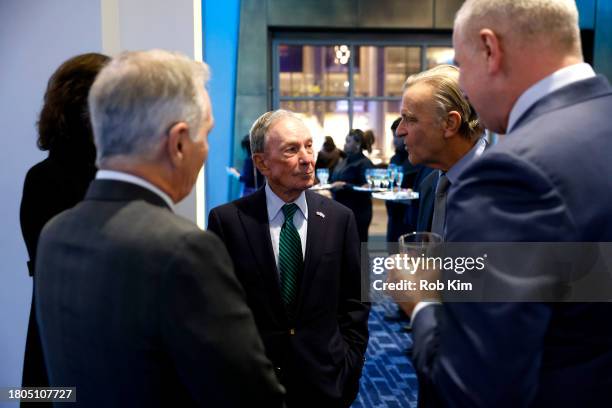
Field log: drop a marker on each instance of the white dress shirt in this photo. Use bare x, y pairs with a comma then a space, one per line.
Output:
276, 218
543, 87
130, 178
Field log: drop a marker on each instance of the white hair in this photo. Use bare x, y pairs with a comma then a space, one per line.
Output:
139, 96
554, 22
257, 135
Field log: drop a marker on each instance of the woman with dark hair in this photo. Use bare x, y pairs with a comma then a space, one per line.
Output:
329, 155
61, 180
350, 172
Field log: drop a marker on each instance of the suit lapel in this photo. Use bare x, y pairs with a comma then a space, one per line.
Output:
253, 215
314, 243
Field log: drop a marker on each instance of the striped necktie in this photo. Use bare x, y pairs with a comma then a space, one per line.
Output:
290, 258
439, 215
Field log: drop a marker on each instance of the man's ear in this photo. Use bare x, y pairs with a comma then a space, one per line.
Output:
452, 123
260, 163
177, 135
492, 49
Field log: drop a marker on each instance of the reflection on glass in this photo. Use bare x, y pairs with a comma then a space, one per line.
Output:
370, 63
400, 63
323, 176
439, 55
323, 118
310, 72
378, 117
313, 70
381, 71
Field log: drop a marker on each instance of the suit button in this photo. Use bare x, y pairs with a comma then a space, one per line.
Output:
292, 331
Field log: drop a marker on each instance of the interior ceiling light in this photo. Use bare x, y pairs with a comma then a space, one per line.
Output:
343, 53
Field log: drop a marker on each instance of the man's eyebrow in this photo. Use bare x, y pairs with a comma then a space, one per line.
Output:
289, 143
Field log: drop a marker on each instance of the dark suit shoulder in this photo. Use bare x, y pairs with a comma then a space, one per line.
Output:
330, 205
244, 204
39, 170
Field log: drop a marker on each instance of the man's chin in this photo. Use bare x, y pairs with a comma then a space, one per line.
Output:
308, 183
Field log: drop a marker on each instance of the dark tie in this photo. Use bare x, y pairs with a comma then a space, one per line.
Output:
289, 257
439, 215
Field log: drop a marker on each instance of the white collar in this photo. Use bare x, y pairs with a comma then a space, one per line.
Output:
453, 173
274, 203
548, 85
130, 178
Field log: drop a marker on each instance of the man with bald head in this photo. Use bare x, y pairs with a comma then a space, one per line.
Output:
548, 179
297, 255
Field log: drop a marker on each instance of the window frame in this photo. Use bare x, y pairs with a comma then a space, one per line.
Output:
423, 40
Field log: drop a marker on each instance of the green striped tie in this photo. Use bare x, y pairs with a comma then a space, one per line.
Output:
289, 256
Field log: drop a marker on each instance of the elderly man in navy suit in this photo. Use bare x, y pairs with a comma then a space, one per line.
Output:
549, 179
297, 255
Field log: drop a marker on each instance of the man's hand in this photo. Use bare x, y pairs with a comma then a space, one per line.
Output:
337, 185
416, 281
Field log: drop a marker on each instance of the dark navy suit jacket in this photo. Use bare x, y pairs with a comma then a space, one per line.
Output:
319, 353
427, 191
550, 179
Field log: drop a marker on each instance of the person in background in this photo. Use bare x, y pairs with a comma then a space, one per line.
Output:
61, 180
329, 155
137, 306
251, 180
370, 138
350, 172
400, 219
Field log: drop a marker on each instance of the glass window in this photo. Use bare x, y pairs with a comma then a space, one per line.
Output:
336, 86
377, 116
439, 55
400, 63
323, 118
313, 71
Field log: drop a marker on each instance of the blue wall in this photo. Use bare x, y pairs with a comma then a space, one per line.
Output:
603, 38
586, 11
221, 21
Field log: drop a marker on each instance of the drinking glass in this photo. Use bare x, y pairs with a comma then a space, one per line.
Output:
418, 242
369, 175
391, 172
399, 177
323, 176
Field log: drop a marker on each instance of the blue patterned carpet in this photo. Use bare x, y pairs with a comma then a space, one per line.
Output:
388, 378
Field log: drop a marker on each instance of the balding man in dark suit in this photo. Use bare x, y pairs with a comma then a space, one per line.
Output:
297, 255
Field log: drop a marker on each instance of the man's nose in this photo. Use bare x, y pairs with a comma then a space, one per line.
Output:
305, 156
402, 129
